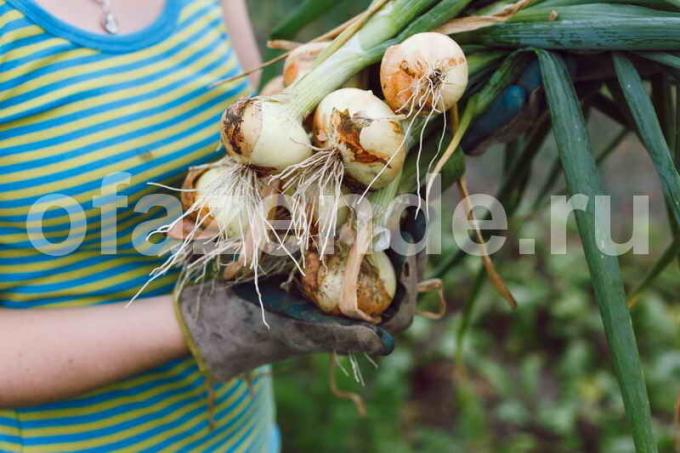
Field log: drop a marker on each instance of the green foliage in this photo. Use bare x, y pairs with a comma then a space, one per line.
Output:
538, 378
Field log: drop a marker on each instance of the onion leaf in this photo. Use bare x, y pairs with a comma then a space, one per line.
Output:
581, 174
649, 130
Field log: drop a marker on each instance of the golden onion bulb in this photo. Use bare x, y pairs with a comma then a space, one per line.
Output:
323, 281
367, 133
426, 72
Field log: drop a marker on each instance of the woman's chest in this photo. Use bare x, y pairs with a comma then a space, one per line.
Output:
79, 129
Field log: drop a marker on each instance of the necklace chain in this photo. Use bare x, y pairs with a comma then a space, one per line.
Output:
108, 21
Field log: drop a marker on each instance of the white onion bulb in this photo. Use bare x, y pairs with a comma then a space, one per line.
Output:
225, 211
263, 132
323, 282
366, 132
426, 72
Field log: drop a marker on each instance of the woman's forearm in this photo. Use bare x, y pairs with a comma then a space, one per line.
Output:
53, 354
242, 36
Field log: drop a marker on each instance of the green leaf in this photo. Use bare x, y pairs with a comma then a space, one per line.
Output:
582, 178
649, 130
664, 58
539, 13
594, 33
656, 4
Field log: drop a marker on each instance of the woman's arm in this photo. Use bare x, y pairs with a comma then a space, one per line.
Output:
54, 354
242, 36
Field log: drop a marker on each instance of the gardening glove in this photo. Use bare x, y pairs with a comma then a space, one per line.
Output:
228, 336
518, 106
510, 115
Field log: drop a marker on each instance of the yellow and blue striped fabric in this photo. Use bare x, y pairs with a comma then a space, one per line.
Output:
79, 111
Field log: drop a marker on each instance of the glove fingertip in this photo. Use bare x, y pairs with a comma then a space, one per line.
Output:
513, 98
387, 341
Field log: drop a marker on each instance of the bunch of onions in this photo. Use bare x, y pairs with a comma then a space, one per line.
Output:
356, 141
426, 72
323, 284
360, 144
267, 133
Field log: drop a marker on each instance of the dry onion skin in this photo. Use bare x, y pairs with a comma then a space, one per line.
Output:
323, 280
365, 131
427, 72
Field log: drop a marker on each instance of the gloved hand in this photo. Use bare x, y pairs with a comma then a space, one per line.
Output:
227, 335
509, 115
519, 105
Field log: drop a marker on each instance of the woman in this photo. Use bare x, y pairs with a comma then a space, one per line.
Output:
89, 90
98, 99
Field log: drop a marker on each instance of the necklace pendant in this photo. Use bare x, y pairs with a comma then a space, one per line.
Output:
110, 24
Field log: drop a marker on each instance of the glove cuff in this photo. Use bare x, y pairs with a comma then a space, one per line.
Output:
186, 332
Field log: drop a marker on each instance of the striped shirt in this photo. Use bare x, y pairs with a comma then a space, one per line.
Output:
86, 119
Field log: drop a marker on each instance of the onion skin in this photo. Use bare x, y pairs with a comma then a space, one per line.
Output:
365, 130
263, 133
322, 282
188, 194
408, 70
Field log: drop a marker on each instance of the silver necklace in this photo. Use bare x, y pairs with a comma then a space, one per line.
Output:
108, 21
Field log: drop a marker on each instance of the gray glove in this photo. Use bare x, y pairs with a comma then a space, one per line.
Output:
227, 335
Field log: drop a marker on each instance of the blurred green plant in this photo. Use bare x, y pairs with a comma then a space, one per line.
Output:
536, 379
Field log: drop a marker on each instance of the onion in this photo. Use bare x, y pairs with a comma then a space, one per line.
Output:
225, 211
301, 61
426, 72
264, 133
323, 282
365, 131
225, 203
274, 86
